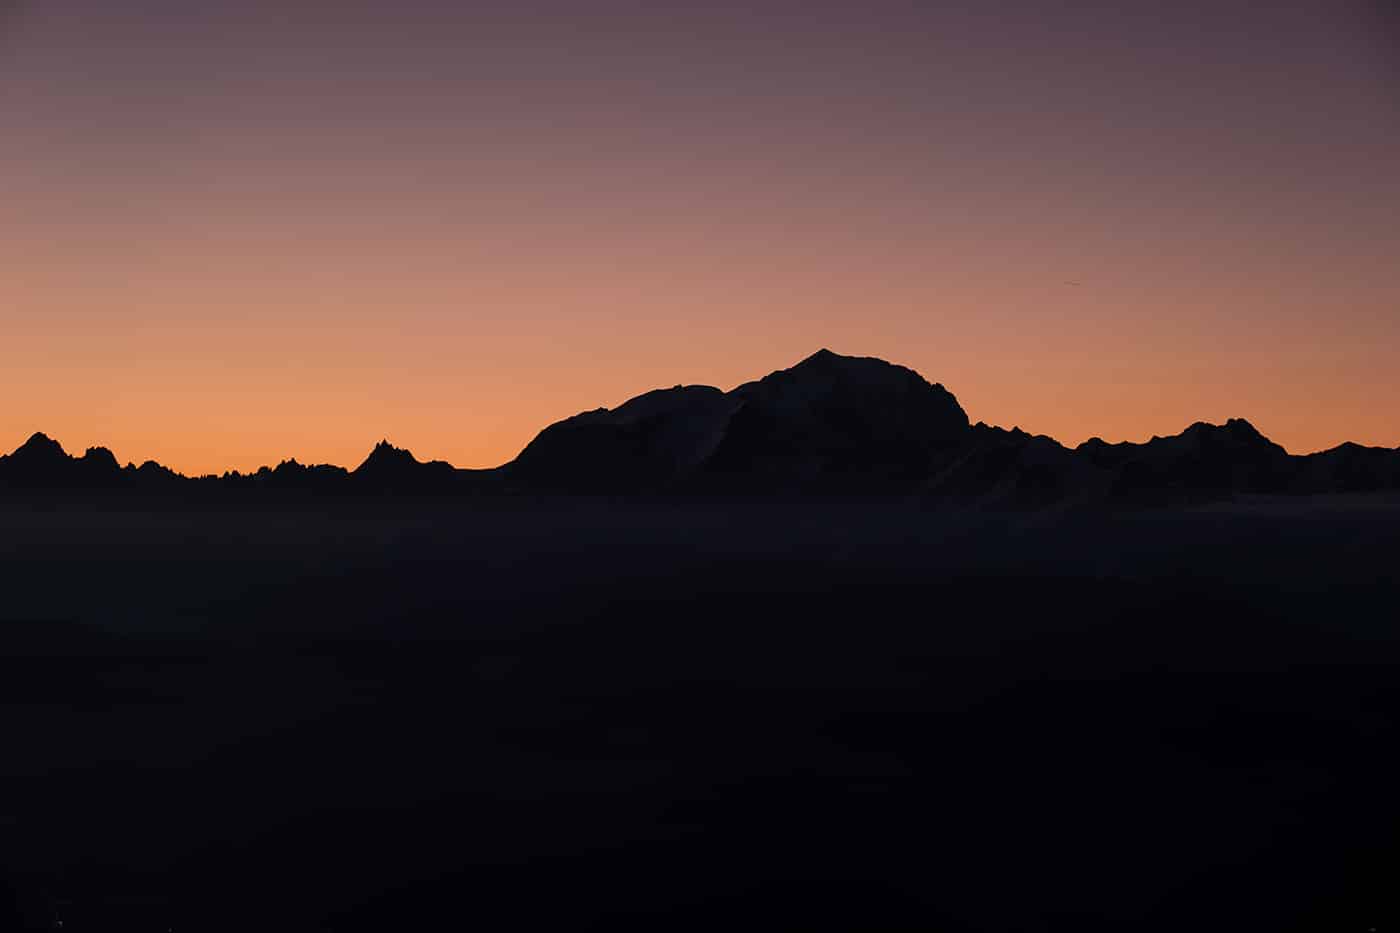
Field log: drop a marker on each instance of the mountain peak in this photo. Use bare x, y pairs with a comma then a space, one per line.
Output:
101, 457
1242, 427
40, 443
829, 423
825, 358
865, 380
385, 457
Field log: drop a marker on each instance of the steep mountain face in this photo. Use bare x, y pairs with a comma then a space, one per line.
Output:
829, 423
393, 469
647, 443
836, 423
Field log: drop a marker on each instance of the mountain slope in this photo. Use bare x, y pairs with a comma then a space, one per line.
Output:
646, 443
836, 423
829, 423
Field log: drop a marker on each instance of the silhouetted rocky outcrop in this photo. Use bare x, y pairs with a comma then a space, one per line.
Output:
291, 477
390, 469
38, 463
41, 463
831, 425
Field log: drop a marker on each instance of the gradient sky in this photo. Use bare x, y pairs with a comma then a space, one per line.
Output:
233, 232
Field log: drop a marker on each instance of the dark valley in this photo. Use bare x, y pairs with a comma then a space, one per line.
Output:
814, 654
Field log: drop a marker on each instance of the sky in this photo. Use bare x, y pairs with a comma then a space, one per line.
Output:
232, 233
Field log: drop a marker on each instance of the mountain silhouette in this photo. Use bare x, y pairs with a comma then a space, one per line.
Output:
39, 458
830, 425
1349, 468
393, 469
838, 422
42, 463
647, 443
1205, 458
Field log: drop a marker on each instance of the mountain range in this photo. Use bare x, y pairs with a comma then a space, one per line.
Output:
830, 426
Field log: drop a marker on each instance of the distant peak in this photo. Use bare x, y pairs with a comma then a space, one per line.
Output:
40, 439
41, 443
386, 456
825, 357
828, 362
1233, 427
101, 455
384, 450
1241, 426
825, 366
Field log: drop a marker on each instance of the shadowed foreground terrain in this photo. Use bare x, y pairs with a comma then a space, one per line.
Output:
582, 714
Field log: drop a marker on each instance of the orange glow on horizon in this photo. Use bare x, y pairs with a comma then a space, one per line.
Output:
239, 235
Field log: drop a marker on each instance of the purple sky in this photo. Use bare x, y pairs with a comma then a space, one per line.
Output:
233, 232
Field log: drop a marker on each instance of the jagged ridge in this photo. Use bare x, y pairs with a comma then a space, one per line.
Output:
829, 425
